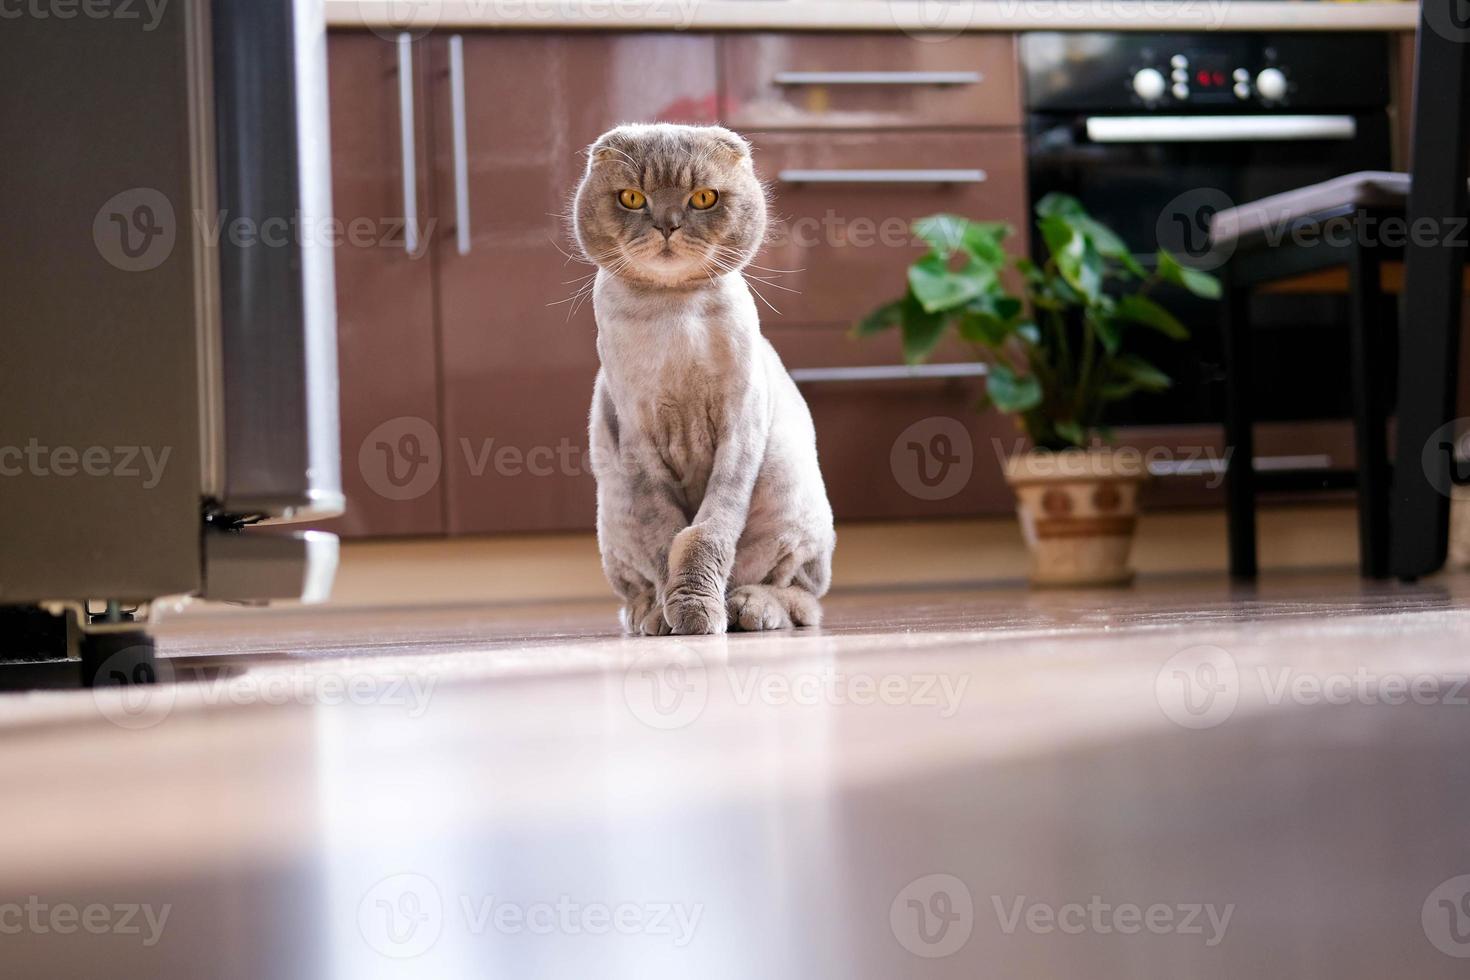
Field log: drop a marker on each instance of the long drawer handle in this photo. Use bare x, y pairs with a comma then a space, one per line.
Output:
407, 141
1218, 129
882, 176
461, 145
887, 372
878, 78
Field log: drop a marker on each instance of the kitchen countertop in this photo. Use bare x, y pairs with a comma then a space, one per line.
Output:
909, 16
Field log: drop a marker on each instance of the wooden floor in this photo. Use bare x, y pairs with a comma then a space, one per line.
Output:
1182, 779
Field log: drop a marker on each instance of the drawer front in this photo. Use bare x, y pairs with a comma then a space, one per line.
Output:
895, 449
844, 202
847, 81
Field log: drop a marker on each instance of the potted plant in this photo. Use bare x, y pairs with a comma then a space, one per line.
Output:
1057, 355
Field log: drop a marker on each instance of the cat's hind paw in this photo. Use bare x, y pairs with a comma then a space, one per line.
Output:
755, 608
644, 616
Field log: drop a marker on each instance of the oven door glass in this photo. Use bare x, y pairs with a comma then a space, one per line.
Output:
1162, 194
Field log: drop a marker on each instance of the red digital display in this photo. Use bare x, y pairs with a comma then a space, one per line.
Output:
1211, 79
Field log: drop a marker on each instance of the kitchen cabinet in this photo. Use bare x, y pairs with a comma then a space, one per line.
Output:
466, 371
518, 358
387, 347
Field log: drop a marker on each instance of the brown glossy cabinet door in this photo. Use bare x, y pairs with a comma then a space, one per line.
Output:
387, 349
518, 359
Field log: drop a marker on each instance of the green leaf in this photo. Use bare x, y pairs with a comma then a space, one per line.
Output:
1141, 373
1060, 206
1080, 264
922, 331
1202, 284
1011, 393
1108, 332
883, 318
1072, 432
990, 319
948, 233
938, 288
1108, 244
1141, 309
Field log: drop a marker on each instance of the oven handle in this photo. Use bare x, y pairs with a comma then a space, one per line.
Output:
1218, 129
887, 372
878, 78
836, 176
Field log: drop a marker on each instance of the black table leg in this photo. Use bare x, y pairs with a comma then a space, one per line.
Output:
1370, 408
1240, 476
1429, 329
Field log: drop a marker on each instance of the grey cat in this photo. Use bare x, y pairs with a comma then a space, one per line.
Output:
711, 513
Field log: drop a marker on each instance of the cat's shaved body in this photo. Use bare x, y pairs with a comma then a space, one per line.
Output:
710, 507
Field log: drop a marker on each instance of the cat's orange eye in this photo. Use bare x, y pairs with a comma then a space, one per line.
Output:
703, 199
631, 199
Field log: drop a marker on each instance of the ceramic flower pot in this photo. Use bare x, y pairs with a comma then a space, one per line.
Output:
1078, 510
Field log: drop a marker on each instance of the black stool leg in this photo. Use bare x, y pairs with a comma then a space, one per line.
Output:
1370, 409
1429, 329
1240, 474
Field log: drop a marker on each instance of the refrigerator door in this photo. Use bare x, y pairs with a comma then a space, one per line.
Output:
278, 328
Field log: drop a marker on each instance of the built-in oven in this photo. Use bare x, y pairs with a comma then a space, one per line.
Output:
1156, 132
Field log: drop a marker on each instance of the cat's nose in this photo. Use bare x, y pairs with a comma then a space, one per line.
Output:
669, 222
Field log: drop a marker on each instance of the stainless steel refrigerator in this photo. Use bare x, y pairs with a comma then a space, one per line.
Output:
168, 368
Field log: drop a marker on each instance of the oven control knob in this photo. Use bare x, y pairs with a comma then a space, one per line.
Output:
1150, 84
1271, 83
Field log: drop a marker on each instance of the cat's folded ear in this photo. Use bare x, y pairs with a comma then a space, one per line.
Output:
727, 141
607, 146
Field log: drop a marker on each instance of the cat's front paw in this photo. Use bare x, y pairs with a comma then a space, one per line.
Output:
693, 613
644, 616
755, 608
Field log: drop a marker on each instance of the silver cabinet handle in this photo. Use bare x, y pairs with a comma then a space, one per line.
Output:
882, 176
461, 150
888, 372
878, 78
406, 138
1218, 129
